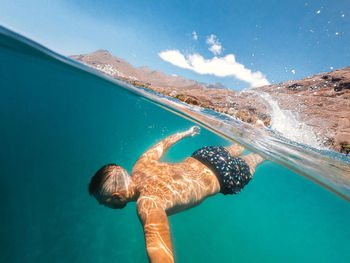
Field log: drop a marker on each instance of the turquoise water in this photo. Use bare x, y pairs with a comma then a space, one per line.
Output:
59, 124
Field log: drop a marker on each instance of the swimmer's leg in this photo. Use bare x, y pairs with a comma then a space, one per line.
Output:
235, 149
252, 159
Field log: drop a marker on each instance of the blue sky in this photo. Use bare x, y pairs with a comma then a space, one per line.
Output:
238, 43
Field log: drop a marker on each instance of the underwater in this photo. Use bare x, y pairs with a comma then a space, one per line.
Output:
61, 121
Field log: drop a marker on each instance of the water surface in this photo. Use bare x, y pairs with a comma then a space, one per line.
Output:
60, 123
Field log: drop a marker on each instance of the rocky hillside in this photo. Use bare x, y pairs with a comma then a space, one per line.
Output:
213, 96
143, 76
321, 101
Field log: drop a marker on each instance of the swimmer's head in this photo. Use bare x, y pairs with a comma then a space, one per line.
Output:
110, 186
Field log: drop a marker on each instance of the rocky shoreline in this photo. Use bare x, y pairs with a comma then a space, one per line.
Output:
321, 101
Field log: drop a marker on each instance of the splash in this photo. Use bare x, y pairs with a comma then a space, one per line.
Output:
285, 123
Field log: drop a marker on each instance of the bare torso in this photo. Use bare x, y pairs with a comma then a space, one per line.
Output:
175, 186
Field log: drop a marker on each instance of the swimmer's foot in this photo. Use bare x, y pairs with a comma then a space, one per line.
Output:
252, 159
235, 149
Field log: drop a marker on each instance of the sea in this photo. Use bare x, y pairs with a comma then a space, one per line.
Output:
60, 121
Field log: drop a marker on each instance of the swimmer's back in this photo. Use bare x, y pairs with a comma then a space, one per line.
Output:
177, 186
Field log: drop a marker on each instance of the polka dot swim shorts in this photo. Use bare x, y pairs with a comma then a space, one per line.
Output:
232, 173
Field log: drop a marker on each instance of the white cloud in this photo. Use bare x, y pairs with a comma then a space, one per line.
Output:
226, 66
211, 40
194, 35
215, 49
175, 57
214, 45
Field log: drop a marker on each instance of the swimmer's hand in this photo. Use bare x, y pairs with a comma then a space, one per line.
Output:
193, 131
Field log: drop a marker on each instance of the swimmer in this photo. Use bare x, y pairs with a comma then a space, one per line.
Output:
162, 189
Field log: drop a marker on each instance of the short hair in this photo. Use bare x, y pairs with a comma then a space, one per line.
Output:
100, 176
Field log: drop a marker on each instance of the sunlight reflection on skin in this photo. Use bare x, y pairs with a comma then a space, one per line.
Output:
162, 189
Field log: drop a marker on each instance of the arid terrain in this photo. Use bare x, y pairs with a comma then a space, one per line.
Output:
321, 102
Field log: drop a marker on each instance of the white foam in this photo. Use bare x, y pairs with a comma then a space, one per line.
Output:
286, 123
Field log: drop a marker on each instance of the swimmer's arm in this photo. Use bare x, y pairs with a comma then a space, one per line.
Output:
156, 229
157, 151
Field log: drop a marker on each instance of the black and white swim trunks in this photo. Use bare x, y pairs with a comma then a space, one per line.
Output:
232, 173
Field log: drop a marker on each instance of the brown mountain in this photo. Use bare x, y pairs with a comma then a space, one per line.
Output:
144, 76
319, 104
